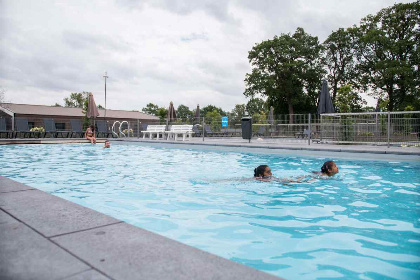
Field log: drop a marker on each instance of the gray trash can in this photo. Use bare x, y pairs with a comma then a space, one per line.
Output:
246, 124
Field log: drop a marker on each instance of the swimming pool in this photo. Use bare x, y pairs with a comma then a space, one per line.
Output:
362, 224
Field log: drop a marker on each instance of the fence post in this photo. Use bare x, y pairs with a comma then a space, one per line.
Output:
389, 127
320, 129
310, 129
203, 128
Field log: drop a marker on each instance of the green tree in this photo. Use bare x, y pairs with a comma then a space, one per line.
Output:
184, 112
237, 113
339, 57
349, 101
76, 100
389, 54
288, 71
211, 108
215, 119
151, 109
162, 113
255, 105
57, 105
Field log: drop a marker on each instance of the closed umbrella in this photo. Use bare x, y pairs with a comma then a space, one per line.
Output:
325, 104
171, 113
197, 114
92, 110
271, 115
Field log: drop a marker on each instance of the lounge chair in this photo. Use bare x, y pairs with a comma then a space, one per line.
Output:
102, 129
3, 129
76, 128
49, 125
198, 132
154, 129
22, 127
261, 131
208, 132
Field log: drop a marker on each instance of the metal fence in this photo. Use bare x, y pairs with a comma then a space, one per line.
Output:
376, 128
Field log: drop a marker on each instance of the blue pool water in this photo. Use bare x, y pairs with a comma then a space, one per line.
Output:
362, 224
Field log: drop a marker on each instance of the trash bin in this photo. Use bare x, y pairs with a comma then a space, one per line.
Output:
246, 124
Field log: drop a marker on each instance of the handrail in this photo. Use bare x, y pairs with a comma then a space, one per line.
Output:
113, 129
120, 132
128, 129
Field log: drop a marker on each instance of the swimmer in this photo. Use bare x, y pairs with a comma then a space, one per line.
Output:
329, 168
263, 173
107, 145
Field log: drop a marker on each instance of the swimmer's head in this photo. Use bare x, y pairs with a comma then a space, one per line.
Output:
107, 144
329, 168
262, 171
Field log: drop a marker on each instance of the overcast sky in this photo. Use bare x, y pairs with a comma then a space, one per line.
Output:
191, 52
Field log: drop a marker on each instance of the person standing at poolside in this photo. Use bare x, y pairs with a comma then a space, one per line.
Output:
90, 134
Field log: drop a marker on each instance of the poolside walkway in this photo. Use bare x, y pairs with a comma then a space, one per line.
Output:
45, 237
286, 144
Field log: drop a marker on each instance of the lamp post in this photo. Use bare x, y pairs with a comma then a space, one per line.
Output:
105, 77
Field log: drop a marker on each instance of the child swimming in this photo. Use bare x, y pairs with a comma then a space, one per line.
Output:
263, 173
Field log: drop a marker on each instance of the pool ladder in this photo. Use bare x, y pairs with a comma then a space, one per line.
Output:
120, 133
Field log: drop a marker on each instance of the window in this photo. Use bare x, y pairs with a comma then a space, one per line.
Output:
60, 126
31, 125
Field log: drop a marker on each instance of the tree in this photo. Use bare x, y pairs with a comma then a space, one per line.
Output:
100, 106
237, 113
151, 109
215, 119
57, 105
162, 113
288, 71
339, 57
211, 108
255, 105
389, 54
184, 112
76, 100
349, 101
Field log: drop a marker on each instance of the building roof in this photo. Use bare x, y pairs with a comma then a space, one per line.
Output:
27, 109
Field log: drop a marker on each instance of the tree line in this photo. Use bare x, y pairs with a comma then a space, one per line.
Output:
379, 56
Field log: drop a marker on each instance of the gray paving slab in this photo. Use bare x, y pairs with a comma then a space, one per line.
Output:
51, 215
8, 185
123, 251
87, 275
26, 254
7, 219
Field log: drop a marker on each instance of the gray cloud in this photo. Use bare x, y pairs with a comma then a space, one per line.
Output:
154, 50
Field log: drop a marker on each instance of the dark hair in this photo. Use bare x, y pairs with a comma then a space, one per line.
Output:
328, 165
259, 171
92, 128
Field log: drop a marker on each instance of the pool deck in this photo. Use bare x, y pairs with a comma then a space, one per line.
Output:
46, 237
267, 143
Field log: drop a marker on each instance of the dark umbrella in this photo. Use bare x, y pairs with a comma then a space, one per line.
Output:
171, 113
325, 104
271, 115
197, 114
92, 110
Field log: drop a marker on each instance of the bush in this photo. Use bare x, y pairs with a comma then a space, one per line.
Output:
37, 129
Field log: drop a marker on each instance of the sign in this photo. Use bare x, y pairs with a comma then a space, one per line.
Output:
224, 121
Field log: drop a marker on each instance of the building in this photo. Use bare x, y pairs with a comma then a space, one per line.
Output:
35, 114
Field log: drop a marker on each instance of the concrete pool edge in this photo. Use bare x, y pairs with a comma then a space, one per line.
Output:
356, 149
47, 237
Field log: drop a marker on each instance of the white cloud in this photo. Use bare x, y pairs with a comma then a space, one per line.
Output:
190, 52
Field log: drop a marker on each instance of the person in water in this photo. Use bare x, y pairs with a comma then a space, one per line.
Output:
263, 173
329, 168
90, 134
107, 145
